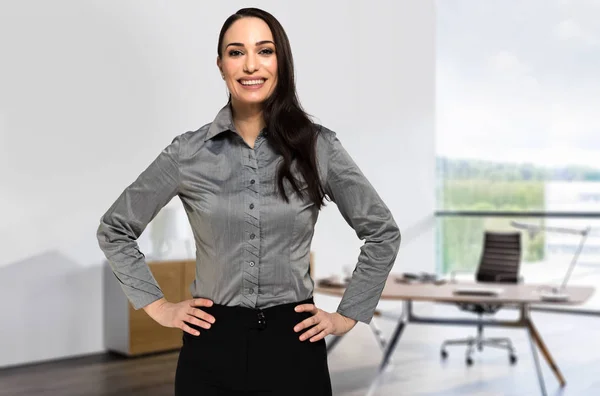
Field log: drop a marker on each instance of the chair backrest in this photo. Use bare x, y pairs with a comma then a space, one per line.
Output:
500, 258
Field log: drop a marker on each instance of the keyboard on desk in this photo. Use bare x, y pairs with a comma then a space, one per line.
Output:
477, 291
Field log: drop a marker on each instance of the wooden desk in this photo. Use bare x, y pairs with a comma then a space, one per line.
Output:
522, 295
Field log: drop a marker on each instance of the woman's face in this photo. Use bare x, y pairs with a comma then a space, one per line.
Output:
249, 61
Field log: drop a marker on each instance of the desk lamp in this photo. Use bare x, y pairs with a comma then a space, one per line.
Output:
557, 293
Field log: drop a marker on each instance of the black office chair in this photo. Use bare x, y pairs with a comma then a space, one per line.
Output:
499, 263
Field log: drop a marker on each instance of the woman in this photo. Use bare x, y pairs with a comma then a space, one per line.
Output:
252, 183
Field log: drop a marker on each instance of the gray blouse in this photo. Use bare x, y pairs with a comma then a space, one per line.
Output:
252, 248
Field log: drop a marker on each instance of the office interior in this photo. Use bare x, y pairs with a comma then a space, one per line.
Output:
466, 117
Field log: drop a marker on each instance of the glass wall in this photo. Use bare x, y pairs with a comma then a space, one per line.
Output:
517, 131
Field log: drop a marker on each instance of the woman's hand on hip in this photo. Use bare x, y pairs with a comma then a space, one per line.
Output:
322, 323
180, 314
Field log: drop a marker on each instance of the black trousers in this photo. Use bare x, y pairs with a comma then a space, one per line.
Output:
252, 352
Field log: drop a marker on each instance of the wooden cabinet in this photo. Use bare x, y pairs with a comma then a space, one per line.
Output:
132, 332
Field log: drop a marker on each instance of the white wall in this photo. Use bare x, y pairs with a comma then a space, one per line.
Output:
90, 92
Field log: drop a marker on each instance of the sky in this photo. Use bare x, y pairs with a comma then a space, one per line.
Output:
519, 81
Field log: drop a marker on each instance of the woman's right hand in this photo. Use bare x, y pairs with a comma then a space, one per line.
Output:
177, 314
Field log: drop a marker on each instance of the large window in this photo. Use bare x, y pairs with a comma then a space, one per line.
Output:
518, 132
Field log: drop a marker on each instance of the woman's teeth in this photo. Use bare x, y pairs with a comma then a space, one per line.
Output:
252, 82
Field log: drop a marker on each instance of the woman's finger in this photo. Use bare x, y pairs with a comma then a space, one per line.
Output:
201, 302
320, 336
201, 315
195, 321
306, 308
188, 329
311, 332
306, 323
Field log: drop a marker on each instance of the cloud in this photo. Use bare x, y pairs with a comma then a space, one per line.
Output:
586, 4
508, 62
569, 29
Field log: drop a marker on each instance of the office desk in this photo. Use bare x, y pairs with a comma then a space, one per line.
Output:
521, 295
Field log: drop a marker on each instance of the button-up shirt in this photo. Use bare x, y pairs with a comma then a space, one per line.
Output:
252, 247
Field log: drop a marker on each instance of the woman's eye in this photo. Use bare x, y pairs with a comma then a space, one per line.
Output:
235, 53
267, 51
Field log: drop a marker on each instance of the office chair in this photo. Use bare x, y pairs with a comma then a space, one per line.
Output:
499, 263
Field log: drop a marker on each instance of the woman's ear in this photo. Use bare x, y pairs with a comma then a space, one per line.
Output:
219, 66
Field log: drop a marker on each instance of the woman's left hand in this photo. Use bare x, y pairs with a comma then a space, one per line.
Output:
323, 323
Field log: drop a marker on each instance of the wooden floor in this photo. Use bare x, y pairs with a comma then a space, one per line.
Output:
418, 370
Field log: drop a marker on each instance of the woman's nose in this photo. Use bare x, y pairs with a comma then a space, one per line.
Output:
250, 64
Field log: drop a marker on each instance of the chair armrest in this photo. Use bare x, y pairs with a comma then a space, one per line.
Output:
453, 273
510, 278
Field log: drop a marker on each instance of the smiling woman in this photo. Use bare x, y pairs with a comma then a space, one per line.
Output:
252, 183
248, 63
255, 60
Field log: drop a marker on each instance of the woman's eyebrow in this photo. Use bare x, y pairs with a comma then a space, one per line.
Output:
257, 43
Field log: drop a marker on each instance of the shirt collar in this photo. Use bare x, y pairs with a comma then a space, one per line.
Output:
223, 122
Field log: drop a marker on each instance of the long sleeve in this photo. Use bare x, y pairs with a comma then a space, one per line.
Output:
127, 218
363, 209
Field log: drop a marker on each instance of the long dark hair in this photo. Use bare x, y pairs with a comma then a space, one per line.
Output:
289, 128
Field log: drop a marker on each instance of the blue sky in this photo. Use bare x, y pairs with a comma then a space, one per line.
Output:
519, 80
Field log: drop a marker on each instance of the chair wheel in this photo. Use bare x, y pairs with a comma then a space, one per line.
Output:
513, 359
444, 354
469, 361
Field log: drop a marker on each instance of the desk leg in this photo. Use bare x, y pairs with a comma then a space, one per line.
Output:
536, 360
390, 347
535, 336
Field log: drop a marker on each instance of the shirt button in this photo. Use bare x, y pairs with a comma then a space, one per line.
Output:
251, 263
251, 206
252, 236
252, 181
251, 291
